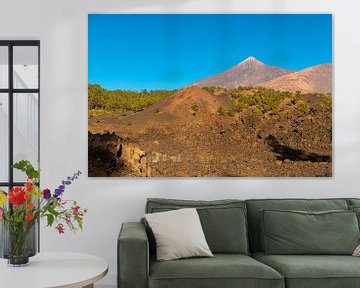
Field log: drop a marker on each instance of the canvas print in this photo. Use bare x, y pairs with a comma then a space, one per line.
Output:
235, 95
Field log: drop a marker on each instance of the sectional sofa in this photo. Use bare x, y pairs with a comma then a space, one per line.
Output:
262, 243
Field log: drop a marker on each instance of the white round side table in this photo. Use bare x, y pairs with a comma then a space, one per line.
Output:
50, 270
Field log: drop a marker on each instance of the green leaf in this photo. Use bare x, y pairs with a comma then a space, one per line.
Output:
26, 167
53, 211
50, 219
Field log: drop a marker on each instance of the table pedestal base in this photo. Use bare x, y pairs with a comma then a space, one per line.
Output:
89, 286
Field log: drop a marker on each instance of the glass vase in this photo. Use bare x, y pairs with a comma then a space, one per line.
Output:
18, 242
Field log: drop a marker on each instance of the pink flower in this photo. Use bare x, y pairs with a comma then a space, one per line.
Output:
76, 210
1, 214
68, 219
60, 228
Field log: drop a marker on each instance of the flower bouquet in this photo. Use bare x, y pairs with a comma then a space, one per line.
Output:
21, 208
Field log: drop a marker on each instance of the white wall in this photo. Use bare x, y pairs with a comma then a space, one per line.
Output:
62, 28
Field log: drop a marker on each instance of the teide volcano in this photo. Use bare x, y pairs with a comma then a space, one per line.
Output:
250, 72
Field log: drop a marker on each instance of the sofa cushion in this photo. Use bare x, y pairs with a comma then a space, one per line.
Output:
223, 221
353, 201
314, 271
255, 206
297, 232
222, 270
356, 209
178, 234
354, 205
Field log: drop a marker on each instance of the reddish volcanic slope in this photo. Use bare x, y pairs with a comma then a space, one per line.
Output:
191, 104
184, 103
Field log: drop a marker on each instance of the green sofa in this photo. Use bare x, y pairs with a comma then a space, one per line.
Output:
233, 231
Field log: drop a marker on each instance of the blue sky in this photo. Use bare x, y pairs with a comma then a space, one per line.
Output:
168, 51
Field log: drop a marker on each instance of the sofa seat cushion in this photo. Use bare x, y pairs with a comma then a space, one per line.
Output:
222, 270
313, 271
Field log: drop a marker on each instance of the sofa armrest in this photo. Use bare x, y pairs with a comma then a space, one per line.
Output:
133, 256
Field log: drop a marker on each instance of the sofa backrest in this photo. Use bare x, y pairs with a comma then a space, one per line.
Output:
353, 202
224, 222
256, 205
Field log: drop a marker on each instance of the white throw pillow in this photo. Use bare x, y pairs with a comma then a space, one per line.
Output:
357, 251
178, 234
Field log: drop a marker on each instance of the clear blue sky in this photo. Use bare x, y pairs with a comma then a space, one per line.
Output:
170, 51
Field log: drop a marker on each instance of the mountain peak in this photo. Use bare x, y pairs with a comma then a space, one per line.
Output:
252, 61
250, 72
250, 58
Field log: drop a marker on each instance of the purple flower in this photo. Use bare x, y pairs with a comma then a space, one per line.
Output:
58, 192
46, 194
64, 183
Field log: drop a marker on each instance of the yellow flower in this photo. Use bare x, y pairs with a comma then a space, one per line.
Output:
3, 198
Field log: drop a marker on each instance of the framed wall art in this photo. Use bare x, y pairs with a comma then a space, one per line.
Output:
200, 95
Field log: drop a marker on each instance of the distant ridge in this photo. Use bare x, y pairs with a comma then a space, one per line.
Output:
310, 80
250, 72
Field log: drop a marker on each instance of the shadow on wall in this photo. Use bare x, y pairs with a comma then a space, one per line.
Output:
285, 152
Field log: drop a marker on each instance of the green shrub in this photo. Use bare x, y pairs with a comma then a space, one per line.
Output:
257, 110
296, 98
195, 107
230, 113
263, 99
304, 106
221, 111
102, 101
210, 89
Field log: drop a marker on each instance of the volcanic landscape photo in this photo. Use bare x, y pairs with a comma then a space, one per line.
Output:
210, 95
